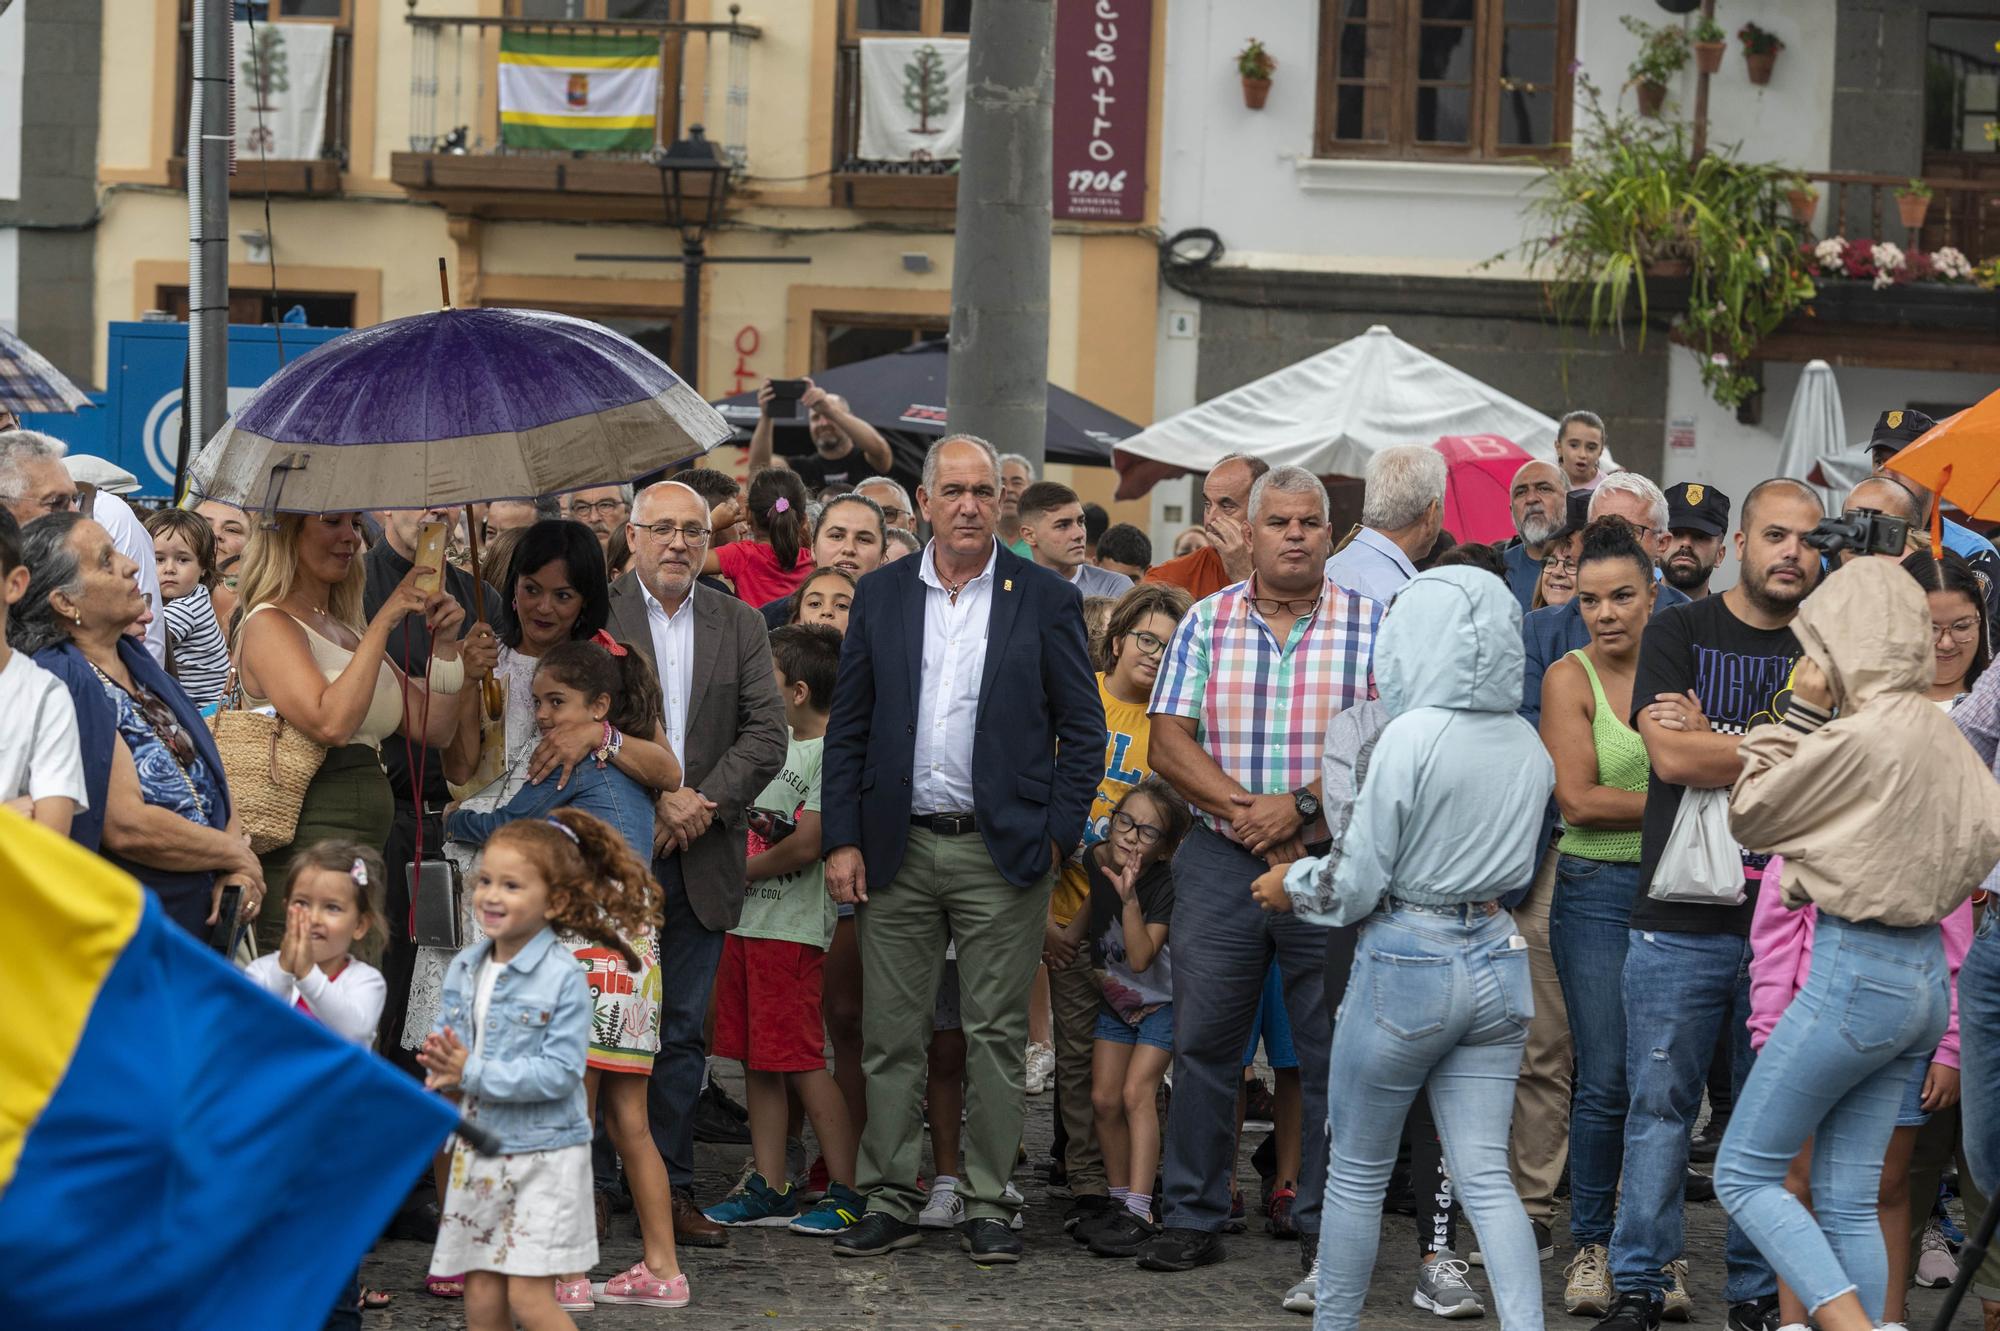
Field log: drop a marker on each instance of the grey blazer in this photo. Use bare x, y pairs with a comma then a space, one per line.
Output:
736, 734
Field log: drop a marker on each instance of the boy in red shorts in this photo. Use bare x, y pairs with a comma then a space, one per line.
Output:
767, 990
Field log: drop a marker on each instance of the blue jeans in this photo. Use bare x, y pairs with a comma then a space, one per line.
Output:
1588, 929
1678, 991
1834, 1070
1443, 998
689, 954
1979, 1049
1223, 944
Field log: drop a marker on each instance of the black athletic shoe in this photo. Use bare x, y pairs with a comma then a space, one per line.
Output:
876, 1233
1704, 1144
1174, 1249
716, 1121
1755, 1314
1700, 1187
1091, 1207
1632, 1312
1122, 1235
989, 1241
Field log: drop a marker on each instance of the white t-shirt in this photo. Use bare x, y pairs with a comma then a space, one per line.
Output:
39, 755
349, 1004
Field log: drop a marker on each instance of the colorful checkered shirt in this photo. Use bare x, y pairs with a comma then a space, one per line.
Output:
1260, 709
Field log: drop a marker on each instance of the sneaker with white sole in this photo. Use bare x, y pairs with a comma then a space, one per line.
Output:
1443, 1289
1040, 1071
1936, 1266
1676, 1305
944, 1210
1304, 1296
1012, 1196
1587, 1281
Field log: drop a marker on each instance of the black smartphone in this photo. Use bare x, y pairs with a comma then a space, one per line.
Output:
773, 827
785, 395
228, 926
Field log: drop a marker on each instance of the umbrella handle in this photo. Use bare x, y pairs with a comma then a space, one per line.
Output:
1937, 515
489, 687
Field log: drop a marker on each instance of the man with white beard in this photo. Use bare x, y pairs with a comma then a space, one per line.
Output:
1537, 497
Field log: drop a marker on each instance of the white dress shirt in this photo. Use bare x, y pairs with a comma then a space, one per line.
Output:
954, 664
673, 658
128, 534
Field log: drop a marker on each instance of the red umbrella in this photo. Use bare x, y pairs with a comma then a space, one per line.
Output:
1479, 470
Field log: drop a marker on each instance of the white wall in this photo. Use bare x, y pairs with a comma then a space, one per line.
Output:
1250, 174
13, 84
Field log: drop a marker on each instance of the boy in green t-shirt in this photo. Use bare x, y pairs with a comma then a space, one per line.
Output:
767, 1005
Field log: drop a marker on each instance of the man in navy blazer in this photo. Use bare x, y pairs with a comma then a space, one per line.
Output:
965, 743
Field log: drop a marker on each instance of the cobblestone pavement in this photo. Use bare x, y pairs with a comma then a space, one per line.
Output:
778, 1281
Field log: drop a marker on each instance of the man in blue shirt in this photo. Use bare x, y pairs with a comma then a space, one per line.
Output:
1896, 430
1402, 510
1536, 496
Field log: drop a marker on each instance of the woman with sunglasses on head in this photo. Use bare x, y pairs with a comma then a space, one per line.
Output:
158, 804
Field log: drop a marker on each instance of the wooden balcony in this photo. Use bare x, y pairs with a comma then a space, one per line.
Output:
912, 186
318, 176
1964, 211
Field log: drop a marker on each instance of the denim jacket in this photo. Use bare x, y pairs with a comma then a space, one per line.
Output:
604, 792
526, 1085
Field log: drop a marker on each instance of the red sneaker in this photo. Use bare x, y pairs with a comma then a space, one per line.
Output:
817, 1180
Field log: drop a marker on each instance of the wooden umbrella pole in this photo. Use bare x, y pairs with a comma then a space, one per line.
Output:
489, 686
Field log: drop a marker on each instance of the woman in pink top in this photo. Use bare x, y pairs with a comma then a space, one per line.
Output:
1781, 944
775, 560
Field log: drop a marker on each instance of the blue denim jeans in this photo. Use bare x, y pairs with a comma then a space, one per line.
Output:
1444, 999
1979, 1050
1678, 991
1834, 1071
1223, 945
1588, 929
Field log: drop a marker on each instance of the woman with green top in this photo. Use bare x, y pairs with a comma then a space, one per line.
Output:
1601, 771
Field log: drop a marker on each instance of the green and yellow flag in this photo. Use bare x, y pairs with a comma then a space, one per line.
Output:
576, 91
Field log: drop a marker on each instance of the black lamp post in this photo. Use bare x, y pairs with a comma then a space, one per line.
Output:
694, 181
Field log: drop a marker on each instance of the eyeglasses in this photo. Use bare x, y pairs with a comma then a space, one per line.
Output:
1961, 630
64, 503
1148, 834
1269, 605
665, 532
608, 508
1560, 563
1149, 644
166, 727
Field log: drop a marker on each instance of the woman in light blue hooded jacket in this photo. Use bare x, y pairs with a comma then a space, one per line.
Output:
1445, 820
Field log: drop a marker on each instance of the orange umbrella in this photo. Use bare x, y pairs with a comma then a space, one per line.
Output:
1957, 459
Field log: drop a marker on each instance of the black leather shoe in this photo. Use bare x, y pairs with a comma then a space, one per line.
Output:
989, 1241
1174, 1249
876, 1233
1700, 1187
1632, 1312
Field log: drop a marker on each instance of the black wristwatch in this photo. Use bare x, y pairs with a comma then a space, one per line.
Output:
1306, 803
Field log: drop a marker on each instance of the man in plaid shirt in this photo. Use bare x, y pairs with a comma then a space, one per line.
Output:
1240, 710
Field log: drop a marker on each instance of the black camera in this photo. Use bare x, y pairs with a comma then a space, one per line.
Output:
1865, 531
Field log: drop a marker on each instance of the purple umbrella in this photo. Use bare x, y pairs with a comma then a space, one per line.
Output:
455, 407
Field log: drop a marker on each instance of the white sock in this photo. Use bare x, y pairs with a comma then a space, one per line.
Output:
1139, 1204
944, 1183
1120, 1194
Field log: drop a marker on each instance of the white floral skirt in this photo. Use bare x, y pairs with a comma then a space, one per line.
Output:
521, 1215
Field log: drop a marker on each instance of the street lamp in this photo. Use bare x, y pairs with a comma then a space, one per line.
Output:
694, 182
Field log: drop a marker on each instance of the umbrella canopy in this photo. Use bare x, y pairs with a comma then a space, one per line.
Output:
902, 394
29, 383
1958, 459
1331, 412
455, 407
1479, 476
1814, 427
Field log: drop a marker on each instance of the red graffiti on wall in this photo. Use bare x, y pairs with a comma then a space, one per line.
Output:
747, 342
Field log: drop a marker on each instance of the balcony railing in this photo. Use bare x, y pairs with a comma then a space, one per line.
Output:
1964, 212
456, 145
868, 184
320, 175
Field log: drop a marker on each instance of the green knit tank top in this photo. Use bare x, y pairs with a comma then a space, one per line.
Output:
1621, 764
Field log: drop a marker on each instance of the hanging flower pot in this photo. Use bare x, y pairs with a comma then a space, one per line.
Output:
1255, 91
1805, 202
1913, 203
1760, 51
1652, 96
1255, 64
1708, 56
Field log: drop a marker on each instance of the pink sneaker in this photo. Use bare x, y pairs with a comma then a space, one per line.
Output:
641, 1286
573, 1296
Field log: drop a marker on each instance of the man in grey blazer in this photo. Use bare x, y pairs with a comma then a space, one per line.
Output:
723, 717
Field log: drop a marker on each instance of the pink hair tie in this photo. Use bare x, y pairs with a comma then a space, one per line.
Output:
781, 505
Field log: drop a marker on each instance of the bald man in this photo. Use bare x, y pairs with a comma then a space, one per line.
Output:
846, 449
1888, 494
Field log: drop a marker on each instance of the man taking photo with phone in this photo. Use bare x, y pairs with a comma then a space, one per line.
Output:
846, 449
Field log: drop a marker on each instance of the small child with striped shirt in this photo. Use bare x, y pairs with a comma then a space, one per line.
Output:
184, 554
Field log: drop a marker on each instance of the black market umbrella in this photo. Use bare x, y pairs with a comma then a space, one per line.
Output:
902, 394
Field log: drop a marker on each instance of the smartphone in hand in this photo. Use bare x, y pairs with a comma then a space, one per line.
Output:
429, 557
785, 395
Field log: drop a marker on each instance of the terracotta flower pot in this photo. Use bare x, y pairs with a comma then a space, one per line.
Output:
1669, 267
1708, 56
1760, 65
1652, 96
1912, 208
1805, 202
1254, 93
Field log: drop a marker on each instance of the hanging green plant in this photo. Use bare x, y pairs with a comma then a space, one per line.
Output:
1628, 203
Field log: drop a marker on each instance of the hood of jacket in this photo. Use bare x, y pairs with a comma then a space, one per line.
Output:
1868, 626
1452, 639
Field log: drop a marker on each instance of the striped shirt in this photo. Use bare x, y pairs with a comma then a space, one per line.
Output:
1261, 708
195, 650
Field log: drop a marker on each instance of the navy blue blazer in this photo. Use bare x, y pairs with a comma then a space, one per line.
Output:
1038, 742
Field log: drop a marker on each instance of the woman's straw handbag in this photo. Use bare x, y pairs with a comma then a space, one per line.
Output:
268, 763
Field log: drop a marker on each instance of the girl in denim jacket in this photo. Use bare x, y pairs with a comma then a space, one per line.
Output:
513, 1221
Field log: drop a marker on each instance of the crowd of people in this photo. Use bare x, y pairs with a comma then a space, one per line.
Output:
1535, 869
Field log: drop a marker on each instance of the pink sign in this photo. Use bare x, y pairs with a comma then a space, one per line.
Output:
1103, 74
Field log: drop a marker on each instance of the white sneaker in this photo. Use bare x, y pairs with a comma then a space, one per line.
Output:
1304, 1296
1040, 1074
944, 1210
1012, 1196
1936, 1267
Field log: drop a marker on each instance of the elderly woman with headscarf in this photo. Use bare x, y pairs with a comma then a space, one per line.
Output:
158, 805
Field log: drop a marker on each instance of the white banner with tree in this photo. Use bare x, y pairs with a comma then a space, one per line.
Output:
912, 98
281, 83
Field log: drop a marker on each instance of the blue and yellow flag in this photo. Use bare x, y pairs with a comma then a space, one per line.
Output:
177, 1148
